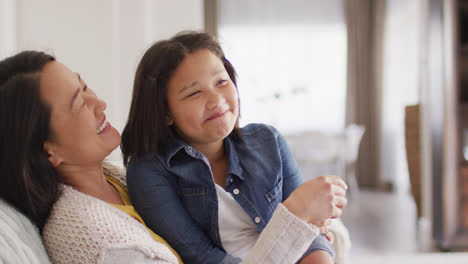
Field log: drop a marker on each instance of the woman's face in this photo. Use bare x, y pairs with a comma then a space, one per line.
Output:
202, 99
80, 133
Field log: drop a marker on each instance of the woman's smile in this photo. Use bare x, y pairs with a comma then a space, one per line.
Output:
104, 127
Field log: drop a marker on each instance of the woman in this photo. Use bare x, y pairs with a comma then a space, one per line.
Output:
54, 139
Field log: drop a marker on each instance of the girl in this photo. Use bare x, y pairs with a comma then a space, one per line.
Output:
206, 185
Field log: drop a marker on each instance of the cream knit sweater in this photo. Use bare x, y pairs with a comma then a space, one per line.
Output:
83, 229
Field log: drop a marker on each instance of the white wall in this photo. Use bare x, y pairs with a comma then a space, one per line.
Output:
102, 40
7, 27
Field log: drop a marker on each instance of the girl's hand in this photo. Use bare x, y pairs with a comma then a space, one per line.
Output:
318, 199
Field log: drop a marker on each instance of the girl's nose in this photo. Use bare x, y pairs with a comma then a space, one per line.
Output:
215, 99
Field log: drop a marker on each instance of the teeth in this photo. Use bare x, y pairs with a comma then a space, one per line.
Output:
101, 128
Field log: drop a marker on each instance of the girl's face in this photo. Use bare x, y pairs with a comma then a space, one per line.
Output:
80, 133
202, 99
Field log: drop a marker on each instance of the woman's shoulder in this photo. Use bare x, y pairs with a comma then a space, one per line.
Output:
71, 225
114, 170
75, 211
87, 227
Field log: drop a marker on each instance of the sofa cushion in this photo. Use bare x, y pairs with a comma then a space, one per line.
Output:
20, 241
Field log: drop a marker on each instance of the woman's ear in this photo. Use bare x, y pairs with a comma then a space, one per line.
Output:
54, 159
169, 120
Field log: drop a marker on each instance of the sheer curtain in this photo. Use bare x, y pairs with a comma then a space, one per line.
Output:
291, 61
364, 20
401, 82
384, 75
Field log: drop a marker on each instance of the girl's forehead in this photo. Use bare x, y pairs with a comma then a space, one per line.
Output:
201, 61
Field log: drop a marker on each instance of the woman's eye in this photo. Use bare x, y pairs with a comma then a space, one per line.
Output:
221, 82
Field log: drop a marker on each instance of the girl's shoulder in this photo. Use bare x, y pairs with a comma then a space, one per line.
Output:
257, 136
258, 129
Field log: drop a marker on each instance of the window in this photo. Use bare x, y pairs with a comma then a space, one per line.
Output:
290, 57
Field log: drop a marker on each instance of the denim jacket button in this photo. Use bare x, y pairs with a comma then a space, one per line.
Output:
236, 191
257, 220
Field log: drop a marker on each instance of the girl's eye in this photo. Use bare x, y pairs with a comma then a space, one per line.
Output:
221, 82
194, 93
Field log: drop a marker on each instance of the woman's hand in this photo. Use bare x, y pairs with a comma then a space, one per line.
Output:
318, 199
325, 228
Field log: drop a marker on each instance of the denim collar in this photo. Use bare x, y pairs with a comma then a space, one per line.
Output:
234, 166
174, 146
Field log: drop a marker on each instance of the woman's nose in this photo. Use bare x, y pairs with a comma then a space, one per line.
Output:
95, 103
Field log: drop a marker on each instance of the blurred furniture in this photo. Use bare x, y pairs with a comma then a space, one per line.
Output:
341, 241
319, 153
413, 152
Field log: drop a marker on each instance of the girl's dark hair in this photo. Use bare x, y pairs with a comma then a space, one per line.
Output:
28, 181
146, 129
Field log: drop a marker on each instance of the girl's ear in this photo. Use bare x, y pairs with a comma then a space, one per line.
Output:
53, 157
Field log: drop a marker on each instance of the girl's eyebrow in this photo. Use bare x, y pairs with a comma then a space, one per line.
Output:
217, 72
188, 86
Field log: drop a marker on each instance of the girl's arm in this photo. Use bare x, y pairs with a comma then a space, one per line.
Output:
292, 177
156, 200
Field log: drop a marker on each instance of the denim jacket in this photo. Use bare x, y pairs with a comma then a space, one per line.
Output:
175, 193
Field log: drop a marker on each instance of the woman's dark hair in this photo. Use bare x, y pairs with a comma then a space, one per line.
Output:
147, 130
28, 181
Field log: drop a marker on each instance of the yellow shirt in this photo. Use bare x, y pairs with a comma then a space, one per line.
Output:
130, 210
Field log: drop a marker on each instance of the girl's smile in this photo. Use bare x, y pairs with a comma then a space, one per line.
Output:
217, 115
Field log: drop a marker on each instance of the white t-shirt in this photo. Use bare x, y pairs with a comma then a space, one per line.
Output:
237, 231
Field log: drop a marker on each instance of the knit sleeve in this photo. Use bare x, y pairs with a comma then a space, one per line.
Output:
284, 239
128, 256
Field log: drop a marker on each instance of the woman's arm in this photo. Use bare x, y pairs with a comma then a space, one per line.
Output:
283, 241
128, 256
